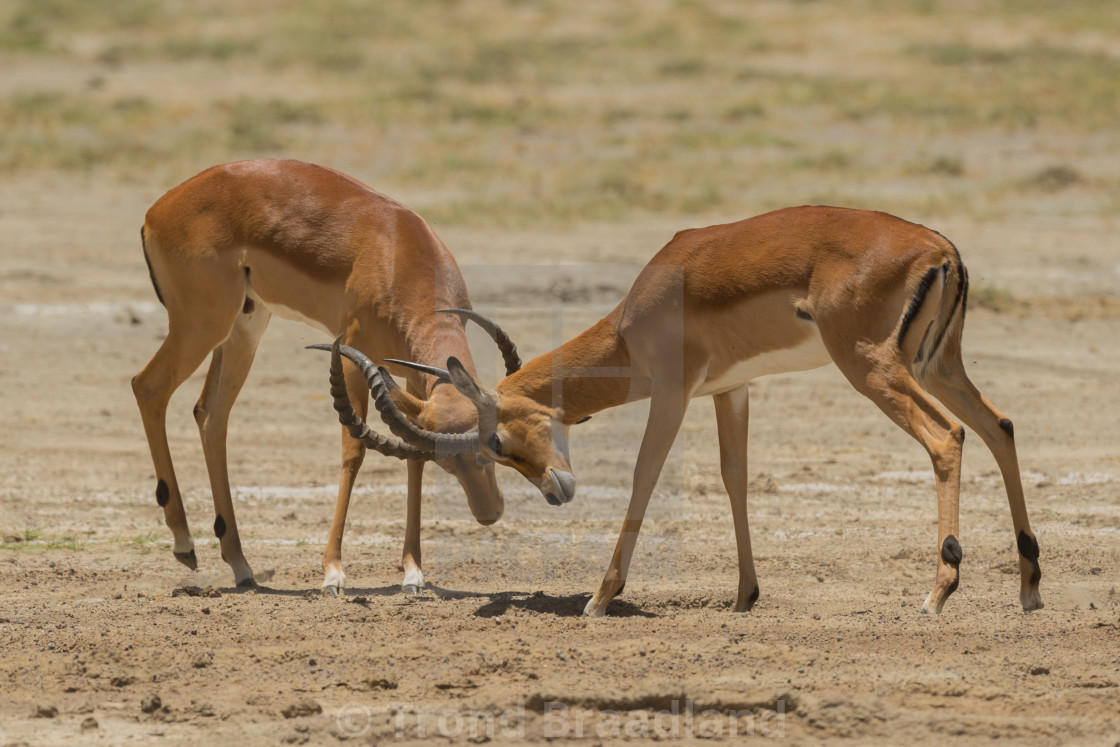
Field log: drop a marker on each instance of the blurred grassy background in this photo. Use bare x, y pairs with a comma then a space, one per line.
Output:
520, 113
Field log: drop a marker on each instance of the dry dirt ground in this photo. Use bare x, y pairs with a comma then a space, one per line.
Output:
105, 638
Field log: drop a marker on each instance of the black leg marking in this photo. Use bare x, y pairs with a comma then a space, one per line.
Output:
619, 592
1028, 548
163, 493
219, 526
1008, 428
249, 306
801, 313
951, 551
753, 597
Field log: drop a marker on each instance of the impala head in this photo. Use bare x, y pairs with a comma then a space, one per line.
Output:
446, 411
514, 430
464, 436
440, 429
521, 433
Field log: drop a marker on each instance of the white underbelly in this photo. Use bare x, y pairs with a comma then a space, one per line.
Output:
810, 353
290, 314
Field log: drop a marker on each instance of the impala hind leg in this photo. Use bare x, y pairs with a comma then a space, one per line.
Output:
229, 366
950, 384
732, 415
887, 382
353, 454
666, 412
180, 354
171, 365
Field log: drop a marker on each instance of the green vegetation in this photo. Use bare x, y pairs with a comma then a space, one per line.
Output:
146, 543
66, 542
34, 539
523, 112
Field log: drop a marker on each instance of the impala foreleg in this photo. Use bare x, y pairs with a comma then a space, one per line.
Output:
353, 455
665, 417
732, 414
413, 582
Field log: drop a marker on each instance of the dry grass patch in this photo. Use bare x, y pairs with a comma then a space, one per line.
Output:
515, 113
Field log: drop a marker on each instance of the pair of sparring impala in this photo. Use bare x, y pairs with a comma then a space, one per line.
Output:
791, 290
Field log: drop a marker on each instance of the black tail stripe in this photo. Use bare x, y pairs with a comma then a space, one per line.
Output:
148, 261
960, 301
964, 292
916, 302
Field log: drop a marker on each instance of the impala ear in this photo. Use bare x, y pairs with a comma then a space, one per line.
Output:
468, 386
485, 399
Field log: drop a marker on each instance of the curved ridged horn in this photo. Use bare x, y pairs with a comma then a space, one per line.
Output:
389, 446
380, 384
439, 373
505, 345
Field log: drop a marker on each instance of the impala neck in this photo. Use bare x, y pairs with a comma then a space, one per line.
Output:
432, 344
583, 376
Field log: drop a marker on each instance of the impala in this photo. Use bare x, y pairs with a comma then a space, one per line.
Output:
238, 243
791, 290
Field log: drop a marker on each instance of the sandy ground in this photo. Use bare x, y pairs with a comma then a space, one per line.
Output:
105, 638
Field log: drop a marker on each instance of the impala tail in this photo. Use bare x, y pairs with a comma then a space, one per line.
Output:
148, 260
936, 311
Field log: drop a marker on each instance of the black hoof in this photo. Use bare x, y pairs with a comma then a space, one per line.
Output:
189, 559
248, 583
552, 499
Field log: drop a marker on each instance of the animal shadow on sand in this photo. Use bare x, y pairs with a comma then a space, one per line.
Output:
539, 602
497, 604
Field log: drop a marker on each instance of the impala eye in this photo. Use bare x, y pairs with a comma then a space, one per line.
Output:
496, 444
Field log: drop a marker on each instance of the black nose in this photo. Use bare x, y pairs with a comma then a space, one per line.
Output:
552, 499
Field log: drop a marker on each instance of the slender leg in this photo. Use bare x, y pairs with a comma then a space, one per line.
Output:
881, 375
413, 581
665, 416
353, 454
411, 560
732, 415
950, 384
181, 353
228, 369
